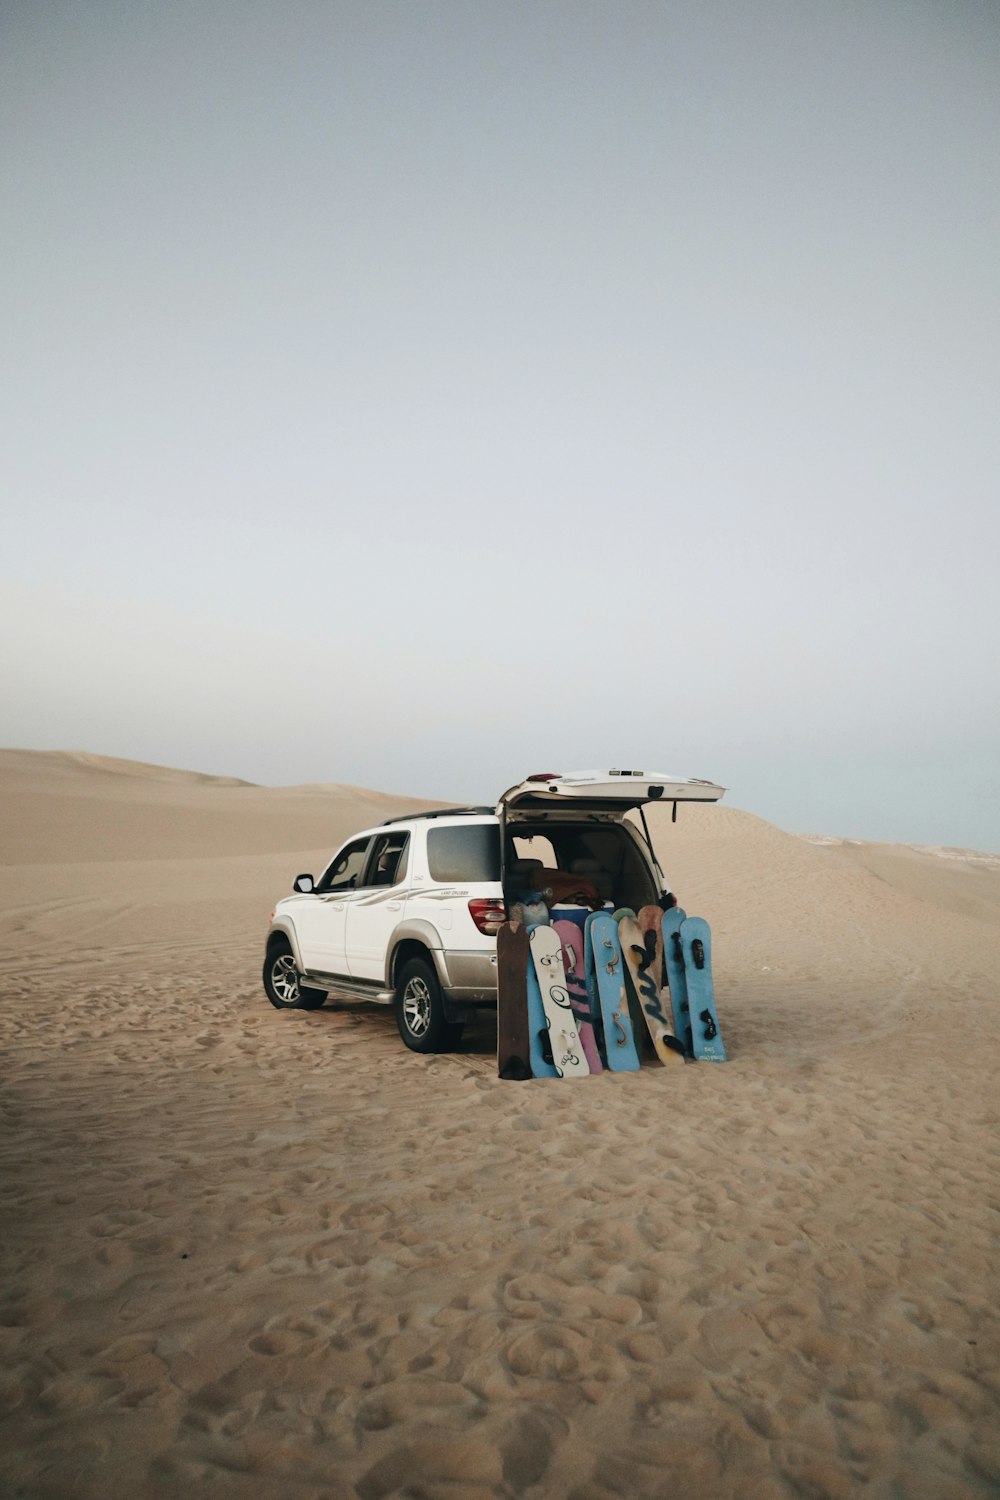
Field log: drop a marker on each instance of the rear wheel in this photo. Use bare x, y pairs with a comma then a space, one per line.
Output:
283, 982
420, 1010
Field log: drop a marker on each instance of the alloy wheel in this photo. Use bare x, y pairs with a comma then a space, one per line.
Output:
417, 1006
285, 978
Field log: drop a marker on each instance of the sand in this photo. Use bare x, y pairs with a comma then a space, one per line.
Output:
249, 1253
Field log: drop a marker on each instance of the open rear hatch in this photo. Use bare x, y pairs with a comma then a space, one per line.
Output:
559, 803
603, 791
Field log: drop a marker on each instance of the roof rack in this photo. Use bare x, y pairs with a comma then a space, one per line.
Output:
440, 812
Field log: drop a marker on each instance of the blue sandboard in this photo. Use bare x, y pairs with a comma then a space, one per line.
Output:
606, 975
696, 943
538, 1027
590, 976
676, 978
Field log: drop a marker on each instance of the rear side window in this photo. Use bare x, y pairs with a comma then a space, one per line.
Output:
470, 853
388, 859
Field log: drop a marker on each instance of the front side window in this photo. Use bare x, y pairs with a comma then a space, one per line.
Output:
345, 872
468, 853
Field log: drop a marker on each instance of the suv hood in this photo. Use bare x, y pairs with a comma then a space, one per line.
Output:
604, 791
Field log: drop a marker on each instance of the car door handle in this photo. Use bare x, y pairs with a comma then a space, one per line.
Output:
394, 906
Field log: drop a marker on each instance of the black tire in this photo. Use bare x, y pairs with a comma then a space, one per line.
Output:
283, 982
420, 1010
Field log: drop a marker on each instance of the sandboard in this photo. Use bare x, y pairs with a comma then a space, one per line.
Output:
571, 938
673, 959
539, 1047
606, 984
649, 919
641, 966
568, 1055
706, 1038
640, 1031
513, 1037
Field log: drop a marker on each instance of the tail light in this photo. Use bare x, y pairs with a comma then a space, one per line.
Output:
546, 776
488, 914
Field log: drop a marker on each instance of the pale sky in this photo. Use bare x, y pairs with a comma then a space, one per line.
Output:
421, 395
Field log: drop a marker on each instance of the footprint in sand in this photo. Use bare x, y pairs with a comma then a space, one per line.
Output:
295, 1337
412, 1399
552, 1352
76, 1393
466, 1466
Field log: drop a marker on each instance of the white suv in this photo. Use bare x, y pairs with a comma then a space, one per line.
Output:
407, 913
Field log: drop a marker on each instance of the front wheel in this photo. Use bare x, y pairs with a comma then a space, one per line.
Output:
420, 1010
283, 982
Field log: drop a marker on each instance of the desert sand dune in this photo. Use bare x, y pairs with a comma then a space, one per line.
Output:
262, 1254
60, 807
965, 881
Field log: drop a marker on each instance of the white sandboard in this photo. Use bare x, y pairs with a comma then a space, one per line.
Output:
567, 1051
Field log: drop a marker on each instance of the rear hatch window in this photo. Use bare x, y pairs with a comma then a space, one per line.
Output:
468, 853
606, 857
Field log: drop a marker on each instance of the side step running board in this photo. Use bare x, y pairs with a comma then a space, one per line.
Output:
351, 989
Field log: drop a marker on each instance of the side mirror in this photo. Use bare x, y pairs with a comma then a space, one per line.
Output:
303, 884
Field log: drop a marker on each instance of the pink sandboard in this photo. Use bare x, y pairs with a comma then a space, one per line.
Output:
571, 940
